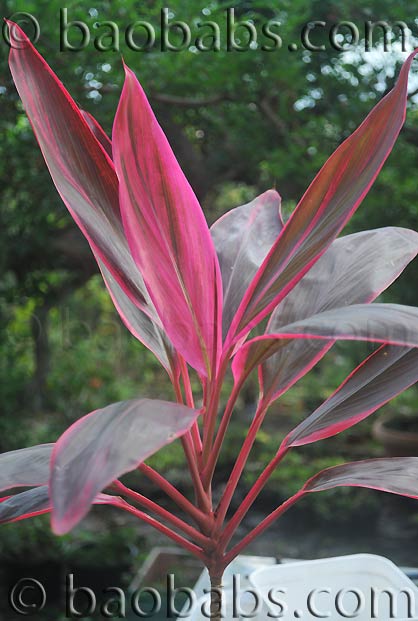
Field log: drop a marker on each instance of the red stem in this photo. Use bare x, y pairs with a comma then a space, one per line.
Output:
239, 465
210, 422
161, 512
242, 510
212, 409
181, 501
197, 440
220, 436
188, 545
202, 497
262, 526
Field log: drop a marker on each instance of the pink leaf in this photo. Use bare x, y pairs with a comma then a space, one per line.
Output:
98, 131
167, 233
327, 205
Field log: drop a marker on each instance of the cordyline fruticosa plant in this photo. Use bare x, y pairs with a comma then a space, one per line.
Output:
193, 295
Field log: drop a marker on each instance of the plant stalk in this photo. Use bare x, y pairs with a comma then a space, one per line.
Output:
212, 409
202, 498
197, 440
184, 543
188, 530
240, 464
200, 518
240, 513
216, 594
220, 436
262, 526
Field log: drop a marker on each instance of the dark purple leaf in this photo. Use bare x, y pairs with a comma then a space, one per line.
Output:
393, 324
354, 270
83, 174
397, 475
25, 467
36, 502
150, 333
383, 375
81, 170
243, 238
105, 444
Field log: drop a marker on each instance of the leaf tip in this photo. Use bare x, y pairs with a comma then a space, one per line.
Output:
59, 527
273, 194
129, 74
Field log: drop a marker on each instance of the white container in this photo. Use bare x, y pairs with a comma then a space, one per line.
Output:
359, 586
364, 587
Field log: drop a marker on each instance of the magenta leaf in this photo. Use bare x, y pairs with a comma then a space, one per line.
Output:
98, 131
386, 373
105, 444
354, 270
84, 176
25, 467
167, 232
397, 475
325, 208
36, 502
243, 238
393, 324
